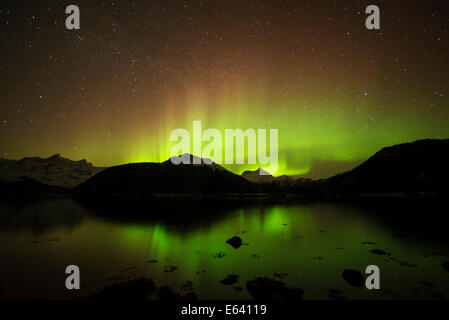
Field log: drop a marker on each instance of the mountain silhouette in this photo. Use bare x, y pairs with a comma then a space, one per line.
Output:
262, 176
420, 166
53, 171
166, 177
258, 176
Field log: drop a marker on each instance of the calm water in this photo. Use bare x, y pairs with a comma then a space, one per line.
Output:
312, 243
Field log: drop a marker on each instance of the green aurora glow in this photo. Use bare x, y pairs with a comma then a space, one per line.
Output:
336, 92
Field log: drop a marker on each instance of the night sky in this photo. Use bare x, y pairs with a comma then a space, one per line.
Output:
113, 91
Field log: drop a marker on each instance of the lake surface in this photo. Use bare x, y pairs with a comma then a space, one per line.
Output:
308, 245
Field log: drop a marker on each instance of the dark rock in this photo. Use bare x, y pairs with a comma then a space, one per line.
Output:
427, 283
353, 277
446, 265
152, 261
379, 252
407, 264
230, 279
235, 241
265, 289
219, 254
280, 275
368, 242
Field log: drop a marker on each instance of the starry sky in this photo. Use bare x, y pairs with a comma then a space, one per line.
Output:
113, 91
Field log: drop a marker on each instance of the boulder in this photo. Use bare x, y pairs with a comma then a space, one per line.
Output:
235, 241
353, 277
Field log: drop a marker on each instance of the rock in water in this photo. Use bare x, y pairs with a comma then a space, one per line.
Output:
230, 279
427, 284
353, 277
379, 252
446, 265
265, 289
219, 254
235, 241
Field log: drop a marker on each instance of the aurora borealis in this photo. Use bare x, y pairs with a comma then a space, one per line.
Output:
113, 91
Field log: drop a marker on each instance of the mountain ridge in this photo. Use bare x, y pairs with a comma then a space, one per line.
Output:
419, 166
165, 177
261, 176
52, 171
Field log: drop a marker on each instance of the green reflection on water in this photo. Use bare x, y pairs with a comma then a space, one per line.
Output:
311, 243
